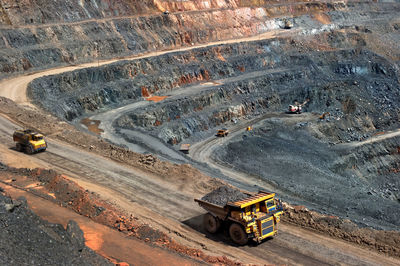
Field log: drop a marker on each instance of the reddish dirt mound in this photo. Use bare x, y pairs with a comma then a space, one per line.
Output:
322, 17
68, 194
145, 92
92, 125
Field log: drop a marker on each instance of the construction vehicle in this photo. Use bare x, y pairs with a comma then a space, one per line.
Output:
249, 128
223, 132
288, 24
296, 107
324, 115
255, 217
29, 141
185, 148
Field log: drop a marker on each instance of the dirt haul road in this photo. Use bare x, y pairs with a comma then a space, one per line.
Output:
15, 88
153, 144
152, 199
139, 193
203, 150
135, 190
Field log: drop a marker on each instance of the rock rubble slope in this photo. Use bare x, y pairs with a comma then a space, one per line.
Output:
25, 239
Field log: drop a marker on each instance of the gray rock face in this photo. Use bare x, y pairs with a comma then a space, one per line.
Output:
32, 37
45, 11
50, 44
76, 235
25, 239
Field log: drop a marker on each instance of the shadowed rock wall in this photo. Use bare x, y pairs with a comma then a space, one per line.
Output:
91, 31
355, 84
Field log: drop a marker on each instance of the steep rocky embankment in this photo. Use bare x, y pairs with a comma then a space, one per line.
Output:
38, 36
250, 79
26, 239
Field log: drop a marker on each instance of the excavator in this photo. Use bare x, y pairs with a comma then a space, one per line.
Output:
296, 107
223, 132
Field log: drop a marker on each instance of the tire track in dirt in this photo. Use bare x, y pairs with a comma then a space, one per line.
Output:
124, 181
141, 187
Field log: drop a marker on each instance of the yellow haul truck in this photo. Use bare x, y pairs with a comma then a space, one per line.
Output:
254, 217
223, 132
29, 141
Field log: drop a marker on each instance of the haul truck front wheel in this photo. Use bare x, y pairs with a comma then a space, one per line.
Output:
30, 149
237, 234
211, 223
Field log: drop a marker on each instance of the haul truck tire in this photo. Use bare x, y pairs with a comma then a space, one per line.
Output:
211, 223
19, 147
29, 149
237, 234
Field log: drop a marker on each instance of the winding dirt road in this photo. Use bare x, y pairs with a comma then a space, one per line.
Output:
152, 199
15, 88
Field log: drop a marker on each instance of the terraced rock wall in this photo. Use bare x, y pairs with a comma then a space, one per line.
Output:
328, 87
36, 12
33, 12
74, 93
354, 85
105, 30
373, 161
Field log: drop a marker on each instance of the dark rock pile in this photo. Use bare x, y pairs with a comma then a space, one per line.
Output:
223, 195
25, 239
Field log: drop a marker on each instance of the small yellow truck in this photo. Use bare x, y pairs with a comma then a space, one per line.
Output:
252, 216
185, 148
223, 132
29, 141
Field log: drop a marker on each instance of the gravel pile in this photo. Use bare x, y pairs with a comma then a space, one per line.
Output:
223, 195
25, 239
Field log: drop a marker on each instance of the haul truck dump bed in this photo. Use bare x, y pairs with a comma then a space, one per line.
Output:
246, 216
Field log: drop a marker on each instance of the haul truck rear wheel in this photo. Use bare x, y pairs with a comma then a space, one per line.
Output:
237, 234
19, 147
211, 223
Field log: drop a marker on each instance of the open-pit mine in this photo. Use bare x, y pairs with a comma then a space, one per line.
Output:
148, 105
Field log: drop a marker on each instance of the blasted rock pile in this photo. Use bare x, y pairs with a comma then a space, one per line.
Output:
224, 194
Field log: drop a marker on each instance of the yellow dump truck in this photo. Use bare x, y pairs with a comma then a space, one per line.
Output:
253, 216
29, 141
185, 148
222, 132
